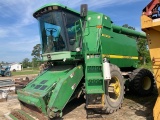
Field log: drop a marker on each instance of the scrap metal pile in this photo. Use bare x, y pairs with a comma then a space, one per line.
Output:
9, 85
21, 82
5, 87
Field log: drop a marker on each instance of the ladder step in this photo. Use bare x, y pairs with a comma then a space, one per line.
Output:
93, 64
94, 78
94, 90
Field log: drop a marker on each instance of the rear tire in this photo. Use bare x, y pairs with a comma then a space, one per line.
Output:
141, 82
114, 90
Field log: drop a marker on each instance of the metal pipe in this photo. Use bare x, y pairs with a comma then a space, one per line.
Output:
126, 31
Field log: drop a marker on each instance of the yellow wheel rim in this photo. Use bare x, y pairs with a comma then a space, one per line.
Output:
146, 83
114, 88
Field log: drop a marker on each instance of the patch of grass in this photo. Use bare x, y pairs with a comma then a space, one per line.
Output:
31, 68
25, 72
147, 66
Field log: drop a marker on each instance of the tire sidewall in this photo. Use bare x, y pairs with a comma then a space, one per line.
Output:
152, 83
118, 102
136, 83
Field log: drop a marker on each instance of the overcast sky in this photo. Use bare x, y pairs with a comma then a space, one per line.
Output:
19, 30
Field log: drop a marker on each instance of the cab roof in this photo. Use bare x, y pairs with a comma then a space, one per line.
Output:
50, 7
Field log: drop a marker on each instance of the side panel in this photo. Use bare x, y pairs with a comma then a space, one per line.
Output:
119, 49
92, 34
65, 88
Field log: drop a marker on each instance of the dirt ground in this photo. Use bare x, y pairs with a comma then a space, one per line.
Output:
134, 108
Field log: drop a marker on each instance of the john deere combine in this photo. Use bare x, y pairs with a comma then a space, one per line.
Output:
86, 55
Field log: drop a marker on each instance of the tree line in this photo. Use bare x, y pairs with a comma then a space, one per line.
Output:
143, 50
36, 60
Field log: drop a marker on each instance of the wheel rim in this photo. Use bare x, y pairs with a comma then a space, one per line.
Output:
146, 83
114, 88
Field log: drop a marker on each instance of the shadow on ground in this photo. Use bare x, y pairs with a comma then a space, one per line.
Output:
143, 106
72, 106
134, 108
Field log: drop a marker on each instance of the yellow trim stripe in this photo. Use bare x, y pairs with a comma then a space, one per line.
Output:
119, 56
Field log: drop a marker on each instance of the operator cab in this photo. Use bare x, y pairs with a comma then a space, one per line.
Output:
57, 28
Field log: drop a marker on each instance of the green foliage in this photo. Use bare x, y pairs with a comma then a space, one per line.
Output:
127, 26
4, 63
25, 72
36, 51
35, 62
143, 52
26, 63
147, 66
30, 68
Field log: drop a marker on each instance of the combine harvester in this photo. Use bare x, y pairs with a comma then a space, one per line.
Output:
150, 23
86, 55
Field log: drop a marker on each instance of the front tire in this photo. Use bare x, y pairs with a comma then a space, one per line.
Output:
114, 90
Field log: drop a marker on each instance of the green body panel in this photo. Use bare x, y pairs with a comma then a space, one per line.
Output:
52, 85
57, 56
119, 45
65, 88
92, 34
62, 56
108, 42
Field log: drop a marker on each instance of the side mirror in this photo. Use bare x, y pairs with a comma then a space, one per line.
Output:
84, 10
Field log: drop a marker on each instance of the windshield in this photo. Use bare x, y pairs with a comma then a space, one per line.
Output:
57, 31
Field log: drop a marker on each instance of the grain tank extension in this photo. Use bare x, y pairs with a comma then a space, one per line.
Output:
86, 55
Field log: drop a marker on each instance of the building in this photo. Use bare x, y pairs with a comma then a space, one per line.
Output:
15, 66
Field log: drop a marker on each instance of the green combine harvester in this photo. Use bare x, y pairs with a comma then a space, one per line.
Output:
86, 55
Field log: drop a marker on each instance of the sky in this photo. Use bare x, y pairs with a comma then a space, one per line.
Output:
19, 31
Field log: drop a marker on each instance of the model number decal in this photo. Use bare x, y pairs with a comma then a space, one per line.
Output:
105, 35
